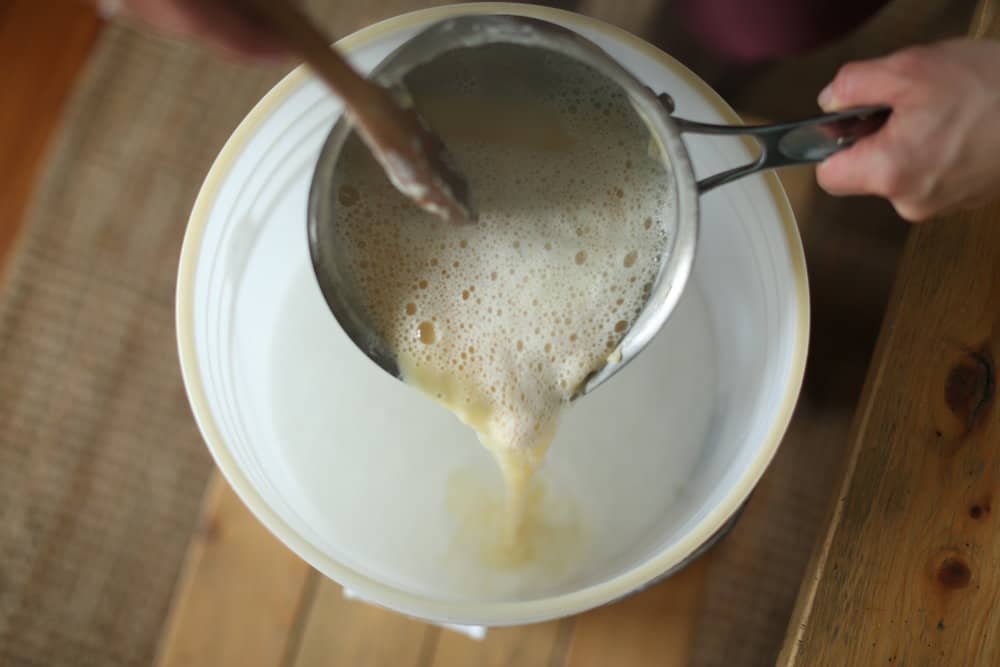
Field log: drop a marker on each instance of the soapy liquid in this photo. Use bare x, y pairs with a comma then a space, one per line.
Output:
503, 320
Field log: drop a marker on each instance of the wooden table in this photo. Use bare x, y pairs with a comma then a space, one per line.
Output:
908, 568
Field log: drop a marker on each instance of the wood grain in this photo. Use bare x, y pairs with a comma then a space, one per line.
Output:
657, 624
242, 591
539, 644
43, 45
908, 571
342, 631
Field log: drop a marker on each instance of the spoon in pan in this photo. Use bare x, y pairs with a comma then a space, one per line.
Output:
414, 159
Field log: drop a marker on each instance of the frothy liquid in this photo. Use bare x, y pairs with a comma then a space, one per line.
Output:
503, 320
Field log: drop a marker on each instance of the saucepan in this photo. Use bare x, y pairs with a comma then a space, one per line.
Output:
800, 142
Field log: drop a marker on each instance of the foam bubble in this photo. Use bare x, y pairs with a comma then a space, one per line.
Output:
549, 279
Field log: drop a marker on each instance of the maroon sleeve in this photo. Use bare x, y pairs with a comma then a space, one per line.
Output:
749, 31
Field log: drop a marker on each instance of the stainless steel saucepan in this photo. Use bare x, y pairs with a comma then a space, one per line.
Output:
805, 141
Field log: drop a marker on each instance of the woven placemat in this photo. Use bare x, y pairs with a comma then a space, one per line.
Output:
101, 466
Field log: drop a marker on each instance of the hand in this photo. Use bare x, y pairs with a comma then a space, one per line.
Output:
224, 24
940, 149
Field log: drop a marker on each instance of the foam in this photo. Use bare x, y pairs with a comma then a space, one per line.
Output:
503, 320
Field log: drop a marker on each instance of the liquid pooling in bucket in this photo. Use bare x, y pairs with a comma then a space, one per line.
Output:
503, 320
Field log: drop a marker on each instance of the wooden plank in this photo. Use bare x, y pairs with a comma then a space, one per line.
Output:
652, 627
341, 631
43, 45
538, 644
240, 595
908, 571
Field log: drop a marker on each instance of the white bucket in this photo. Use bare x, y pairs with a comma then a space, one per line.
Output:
353, 470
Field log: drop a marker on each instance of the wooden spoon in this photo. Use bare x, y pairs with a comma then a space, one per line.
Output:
414, 159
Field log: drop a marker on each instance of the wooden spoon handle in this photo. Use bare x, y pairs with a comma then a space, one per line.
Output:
301, 35
415, 160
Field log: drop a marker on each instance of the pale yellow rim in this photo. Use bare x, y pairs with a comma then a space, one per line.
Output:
499, 613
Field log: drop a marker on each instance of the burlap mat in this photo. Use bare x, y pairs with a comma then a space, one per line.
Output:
101, 466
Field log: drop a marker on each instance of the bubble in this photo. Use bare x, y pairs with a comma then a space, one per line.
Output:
348, 195
426, 333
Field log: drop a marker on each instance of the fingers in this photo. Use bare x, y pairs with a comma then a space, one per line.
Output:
866, 82
913, 211
878, 164
938, 149
239, 36
873, 168
226, 25
866, 168
108, 9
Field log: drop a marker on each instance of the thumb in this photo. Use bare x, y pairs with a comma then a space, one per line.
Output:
867, 168
862, 83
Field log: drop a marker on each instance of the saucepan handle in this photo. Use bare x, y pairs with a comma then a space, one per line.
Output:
801, 142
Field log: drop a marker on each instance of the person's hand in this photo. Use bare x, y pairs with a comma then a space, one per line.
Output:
940, 149
224, 24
